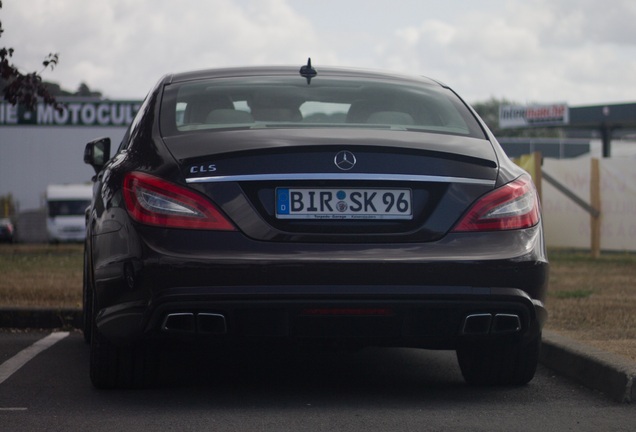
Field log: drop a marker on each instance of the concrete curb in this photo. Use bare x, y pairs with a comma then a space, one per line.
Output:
40, 318
599, 370
594, 368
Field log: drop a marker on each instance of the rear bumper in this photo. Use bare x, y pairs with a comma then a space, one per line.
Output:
224, 286
418, 316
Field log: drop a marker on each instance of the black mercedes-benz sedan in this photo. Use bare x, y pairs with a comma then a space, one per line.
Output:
311, 206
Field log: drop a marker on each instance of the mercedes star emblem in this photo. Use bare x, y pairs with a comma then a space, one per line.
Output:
345, 160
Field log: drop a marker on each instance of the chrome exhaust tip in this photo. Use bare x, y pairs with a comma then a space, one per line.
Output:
182, 322
200, 323
485, 323
506, 323
211, 323
477, 324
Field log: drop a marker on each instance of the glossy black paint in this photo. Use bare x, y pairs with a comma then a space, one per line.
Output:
268, 271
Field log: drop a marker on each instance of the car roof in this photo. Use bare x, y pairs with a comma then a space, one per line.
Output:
253, 71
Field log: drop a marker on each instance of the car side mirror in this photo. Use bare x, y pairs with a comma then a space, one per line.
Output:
97, 153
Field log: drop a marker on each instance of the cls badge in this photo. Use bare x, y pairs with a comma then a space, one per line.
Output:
202, 169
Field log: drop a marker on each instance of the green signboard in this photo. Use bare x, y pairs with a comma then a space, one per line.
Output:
99, 113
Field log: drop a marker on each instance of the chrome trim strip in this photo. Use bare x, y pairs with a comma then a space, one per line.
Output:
338, 176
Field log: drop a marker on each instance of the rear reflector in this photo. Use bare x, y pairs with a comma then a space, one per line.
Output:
512, 206
154, 201
348, 312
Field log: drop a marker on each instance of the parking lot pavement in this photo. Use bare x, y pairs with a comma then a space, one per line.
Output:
13, 364
596, 369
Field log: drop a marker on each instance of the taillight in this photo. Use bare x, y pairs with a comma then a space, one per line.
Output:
512, 206
153, 201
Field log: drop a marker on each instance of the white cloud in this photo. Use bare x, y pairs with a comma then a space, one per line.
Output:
538, 51
573, 21
408, 35
579, 51
123, 46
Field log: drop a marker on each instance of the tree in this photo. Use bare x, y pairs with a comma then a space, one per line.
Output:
7, 206
85, 91
25, 89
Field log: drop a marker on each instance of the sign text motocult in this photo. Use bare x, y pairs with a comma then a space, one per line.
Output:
72, 113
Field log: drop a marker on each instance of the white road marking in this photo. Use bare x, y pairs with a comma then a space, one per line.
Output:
10, 366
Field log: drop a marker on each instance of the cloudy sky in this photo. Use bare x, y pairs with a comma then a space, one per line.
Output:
575, 51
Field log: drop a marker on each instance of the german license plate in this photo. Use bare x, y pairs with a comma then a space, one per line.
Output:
361, 203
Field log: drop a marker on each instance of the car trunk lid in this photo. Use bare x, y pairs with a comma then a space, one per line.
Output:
338, 185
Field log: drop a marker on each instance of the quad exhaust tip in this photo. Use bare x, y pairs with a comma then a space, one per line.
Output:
200, 323
486, 323
208, 323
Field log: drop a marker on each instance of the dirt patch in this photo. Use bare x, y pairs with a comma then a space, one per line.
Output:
594, 300
41, 276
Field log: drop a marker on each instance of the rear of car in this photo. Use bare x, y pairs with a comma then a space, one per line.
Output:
333, 206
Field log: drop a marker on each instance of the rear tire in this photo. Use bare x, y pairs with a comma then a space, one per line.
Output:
490, 364
129, 366
87, 300
126, 366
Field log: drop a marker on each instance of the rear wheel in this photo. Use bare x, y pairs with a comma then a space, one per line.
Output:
499, 363
87, 300
114, 366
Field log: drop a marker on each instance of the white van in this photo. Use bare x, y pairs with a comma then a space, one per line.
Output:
66, 205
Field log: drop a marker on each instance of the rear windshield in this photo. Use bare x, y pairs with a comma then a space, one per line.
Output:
290, 102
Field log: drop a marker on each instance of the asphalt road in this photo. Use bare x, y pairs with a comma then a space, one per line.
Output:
44, 385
